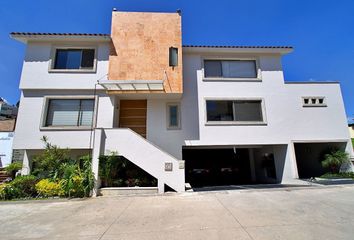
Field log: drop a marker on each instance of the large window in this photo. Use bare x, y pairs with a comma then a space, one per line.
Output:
230, 68
70, 112
74, 59
234, 111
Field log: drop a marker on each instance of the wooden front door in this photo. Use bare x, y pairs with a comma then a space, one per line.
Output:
132, 115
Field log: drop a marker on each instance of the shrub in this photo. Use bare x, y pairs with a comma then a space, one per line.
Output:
13, 168
334, 160
48, 163
47, 188
25, 185
20, 187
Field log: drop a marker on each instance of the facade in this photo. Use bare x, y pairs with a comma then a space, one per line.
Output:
7, 110
7, 127
204, 115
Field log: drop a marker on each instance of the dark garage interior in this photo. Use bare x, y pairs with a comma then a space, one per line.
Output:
207, 167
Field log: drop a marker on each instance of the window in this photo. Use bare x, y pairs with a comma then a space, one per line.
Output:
314, 102
70, 112
234, 111
173, 116
74, 59
230, 69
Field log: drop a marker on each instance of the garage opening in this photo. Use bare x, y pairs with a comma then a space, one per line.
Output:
222, 166
310, 155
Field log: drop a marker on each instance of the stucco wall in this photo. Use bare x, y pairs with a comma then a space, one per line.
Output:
35, 74
28, 132
287, 119
140, 48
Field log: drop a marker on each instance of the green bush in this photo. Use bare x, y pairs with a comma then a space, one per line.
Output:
13, 168
334, 160
20, 187
47, 188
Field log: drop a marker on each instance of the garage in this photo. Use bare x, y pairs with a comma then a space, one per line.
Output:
310, 155
221, 166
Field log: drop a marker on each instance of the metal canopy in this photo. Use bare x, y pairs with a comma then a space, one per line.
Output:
132, 85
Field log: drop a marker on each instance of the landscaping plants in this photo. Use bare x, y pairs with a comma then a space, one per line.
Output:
55, 174
334, 160
12, 168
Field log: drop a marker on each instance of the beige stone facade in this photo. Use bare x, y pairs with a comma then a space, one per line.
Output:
140, 48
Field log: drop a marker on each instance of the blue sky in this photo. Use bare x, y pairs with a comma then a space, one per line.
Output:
322, 31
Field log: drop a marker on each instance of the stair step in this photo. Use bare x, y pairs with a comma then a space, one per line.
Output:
123, 191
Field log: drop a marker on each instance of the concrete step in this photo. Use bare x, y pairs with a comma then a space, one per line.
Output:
123, 191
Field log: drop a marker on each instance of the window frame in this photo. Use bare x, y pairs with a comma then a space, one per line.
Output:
168, 105
235, 123
53, 55
218, 58
45, 108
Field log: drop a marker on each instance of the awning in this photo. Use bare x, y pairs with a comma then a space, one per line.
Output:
132, 85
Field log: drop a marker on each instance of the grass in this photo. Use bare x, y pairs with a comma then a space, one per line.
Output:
353, 141
338, 175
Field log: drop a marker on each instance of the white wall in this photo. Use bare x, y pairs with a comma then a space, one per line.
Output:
28, 132
287, 119
6, 139
35, 74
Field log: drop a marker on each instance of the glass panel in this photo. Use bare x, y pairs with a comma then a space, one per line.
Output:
212, 68
173, 115
239, 69
60, 59
68, 59
63, 112
248, 111
219, 111
86, 112
88, 56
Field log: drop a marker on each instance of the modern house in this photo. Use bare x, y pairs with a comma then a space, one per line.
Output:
7, 127
204, 115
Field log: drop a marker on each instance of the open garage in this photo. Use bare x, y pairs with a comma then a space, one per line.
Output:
309, 156
233, 165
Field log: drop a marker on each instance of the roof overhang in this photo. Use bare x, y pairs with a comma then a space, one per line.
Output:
238, 49
26, 37
132, 85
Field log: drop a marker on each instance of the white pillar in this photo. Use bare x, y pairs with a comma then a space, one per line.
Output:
25, 164
160, 186
98, 149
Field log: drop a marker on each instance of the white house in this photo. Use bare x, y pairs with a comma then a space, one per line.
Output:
204, 115
7, 110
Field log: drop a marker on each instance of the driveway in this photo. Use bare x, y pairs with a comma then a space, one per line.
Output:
319, 213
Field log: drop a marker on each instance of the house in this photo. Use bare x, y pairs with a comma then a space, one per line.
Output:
351, 130
7, 127
7, 110
204, 115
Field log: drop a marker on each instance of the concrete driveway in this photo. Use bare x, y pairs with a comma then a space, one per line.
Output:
320, 213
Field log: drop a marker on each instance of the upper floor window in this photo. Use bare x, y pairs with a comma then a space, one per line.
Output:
230, 69
74, 59
314, 102
237, 111
69, 112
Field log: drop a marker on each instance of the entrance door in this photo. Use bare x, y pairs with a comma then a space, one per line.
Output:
133, 115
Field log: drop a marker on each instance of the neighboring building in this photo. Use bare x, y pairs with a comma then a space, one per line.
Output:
7, 110
225, 110
7, 128
351, 130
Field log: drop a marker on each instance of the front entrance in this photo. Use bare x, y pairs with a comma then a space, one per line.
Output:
132, 115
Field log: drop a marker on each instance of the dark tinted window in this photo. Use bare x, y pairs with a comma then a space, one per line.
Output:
219, 111
212, 68
230, 68
74, 58
248, 111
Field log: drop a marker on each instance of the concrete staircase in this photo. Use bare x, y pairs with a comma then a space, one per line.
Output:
3, 175
159, 164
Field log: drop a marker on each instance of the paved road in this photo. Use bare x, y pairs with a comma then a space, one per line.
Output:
321, 213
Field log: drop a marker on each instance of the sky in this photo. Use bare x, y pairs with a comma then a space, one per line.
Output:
321, 31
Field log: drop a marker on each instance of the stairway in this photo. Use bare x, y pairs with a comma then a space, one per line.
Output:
142, 153
3, 175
